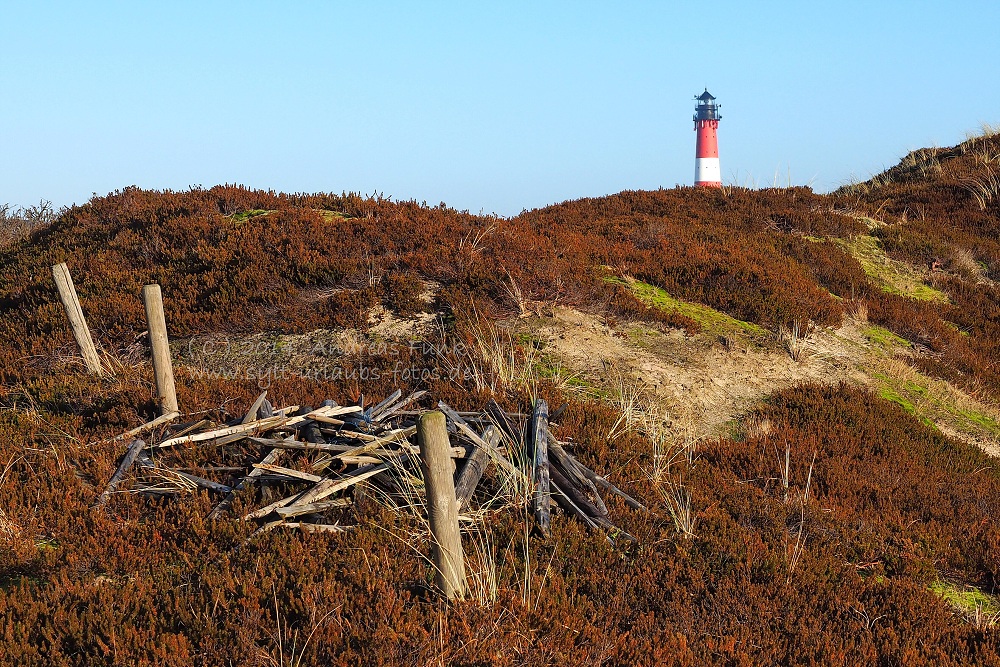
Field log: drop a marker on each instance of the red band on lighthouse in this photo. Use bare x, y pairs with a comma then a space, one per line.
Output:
707, 172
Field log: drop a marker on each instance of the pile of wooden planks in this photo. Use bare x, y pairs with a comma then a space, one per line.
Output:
304, 468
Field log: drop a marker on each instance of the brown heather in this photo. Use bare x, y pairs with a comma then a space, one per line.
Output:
893, 505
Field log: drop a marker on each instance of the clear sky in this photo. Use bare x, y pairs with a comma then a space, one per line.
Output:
492, 107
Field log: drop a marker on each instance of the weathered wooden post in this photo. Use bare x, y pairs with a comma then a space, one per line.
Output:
540, 466
152, 299
442, 507
67, 294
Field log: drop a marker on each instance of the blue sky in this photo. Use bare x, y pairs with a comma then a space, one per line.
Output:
488, 107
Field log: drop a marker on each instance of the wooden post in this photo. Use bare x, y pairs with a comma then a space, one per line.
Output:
67, 294
152, 298
540, 466
442, 507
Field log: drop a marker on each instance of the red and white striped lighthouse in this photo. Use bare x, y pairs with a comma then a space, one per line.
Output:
706, 161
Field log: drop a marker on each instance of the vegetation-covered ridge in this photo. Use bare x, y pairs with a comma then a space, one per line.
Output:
833, 524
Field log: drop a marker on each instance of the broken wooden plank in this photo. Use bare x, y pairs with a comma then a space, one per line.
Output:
540, 467
600, 481
330, 486
288, 472
199, 482
475, 465
511, 430
580, 501
393, 409
567, 503
134, 449
312, 508
148, 426
249, 427
314, 527
251, 414
271, 457
474, 437
398, 436
190, 428
385, 403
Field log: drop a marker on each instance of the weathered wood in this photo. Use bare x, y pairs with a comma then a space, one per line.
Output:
77, 322
393, 409
594, 477
314, 527
572, 470
251, 414
574, 495
330, 486
200, 482
134, 449
475, 438
567, 503
148, 426
385, 403
442, 506
288, 472
166, 394
261, 425
398, 436
540, 467
312, 508
323, 489
197, 426
511, 430
475, 465
224, 504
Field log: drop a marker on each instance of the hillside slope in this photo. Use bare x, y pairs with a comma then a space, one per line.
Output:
802, 388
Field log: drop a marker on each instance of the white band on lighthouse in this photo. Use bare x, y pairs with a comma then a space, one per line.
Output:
706, 170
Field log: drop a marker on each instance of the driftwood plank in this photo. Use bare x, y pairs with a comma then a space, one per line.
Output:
567, 503
385, 403
540, 467
594, 477
148, 426
397, 436
134, 449
271, 457
474, 437
573, 494
393, 409
510, 428
251, 414
312, 508
288, 472
313, 527
259, 424
475, 465
323, 489
200, 482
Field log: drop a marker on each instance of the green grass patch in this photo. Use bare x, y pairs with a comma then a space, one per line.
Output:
965, 599
891, 275
712, 321
981, 420
252, 213
884, 338
890, 394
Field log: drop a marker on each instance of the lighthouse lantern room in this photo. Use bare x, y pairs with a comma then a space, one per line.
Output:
706, 124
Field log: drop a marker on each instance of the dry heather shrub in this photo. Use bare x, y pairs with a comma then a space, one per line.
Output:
858, 310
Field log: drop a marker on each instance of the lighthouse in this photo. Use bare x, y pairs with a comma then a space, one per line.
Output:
706, 161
